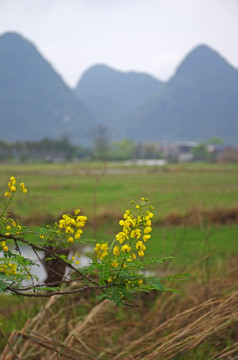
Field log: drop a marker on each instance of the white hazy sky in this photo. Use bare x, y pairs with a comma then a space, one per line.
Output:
151, 36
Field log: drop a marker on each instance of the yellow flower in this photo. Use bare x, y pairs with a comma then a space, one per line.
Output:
13, 188
136, 233
149, 215
115, 263
82, 218
121, 222
70, 239
130, 221
126, 248
127, 213
42, 236
5, 248
7, 194
13, 180
133, 256
116, 250
76, 211
77, 235
139, 219
147, 229
24, 190
140, 245
120, 237
69, 230
101, 250
72, 221
140, 281
146, 237
8, 227
77, 262
61, 224
141, 253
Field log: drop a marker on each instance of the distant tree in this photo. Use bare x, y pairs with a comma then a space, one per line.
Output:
151, 151
215, 140
200, 152
124, 149
101, 142
45, 149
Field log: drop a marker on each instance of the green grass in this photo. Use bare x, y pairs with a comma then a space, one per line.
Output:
189, 246
58, 188
14, 312
55, 188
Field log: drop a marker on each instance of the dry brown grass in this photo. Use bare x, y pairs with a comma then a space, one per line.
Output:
164, 326
195, 217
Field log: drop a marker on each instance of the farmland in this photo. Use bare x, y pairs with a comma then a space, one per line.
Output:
54, 188
199, 200
195, 220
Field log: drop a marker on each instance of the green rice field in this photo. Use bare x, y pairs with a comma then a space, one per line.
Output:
56, 188
103, 193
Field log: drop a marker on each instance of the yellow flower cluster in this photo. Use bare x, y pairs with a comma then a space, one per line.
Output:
4, 246
12, 187
75, 258
8, 269
134, 228
72, 225
12, 227
101, 250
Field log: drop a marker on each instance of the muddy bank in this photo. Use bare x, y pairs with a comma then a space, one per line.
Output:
194, 217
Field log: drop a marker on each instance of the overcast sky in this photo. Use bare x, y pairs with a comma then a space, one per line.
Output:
150, 36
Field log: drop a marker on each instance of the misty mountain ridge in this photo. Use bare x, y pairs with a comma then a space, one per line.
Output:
198, 102
34, 100
111, 94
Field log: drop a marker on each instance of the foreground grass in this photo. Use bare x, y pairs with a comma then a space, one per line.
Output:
192, 324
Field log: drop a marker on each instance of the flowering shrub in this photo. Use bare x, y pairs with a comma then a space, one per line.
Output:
115, 270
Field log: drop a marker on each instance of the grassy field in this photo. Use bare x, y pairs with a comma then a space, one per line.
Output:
203, 248
55, 188
107, 191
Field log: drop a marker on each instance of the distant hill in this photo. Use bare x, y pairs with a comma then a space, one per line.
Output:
34, 100
111, 94
198, 102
